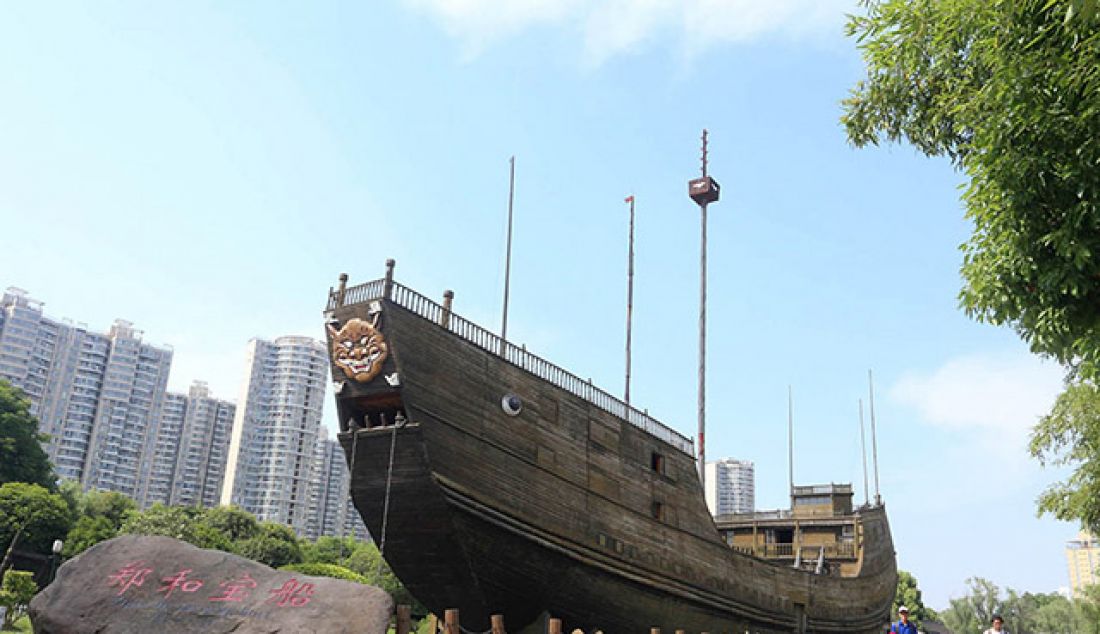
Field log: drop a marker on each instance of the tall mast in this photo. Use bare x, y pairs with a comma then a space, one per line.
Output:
629, 295
508, 257
863, 454
703, 191
874, 436
790, 443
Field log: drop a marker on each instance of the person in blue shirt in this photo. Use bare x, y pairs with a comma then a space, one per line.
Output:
903, 626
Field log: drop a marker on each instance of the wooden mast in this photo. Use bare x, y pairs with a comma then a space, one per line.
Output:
629, 296
508, 257
703, 191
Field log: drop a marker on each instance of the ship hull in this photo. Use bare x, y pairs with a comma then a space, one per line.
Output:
563, 508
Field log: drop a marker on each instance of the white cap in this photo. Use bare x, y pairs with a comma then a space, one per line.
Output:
903, 609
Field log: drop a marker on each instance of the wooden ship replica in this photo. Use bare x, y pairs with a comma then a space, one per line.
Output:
499, 483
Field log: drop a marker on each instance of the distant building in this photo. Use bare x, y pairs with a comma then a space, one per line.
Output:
97, 395
1083, 555
190, 452
730, 486
275, 430
162, 469
331, 513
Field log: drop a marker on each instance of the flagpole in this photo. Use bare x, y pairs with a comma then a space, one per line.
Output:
508, 257
629, 295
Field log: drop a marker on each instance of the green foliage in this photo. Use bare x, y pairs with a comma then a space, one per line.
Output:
22, 458
1070, 436
110, 505
185, 523
367, 561
234, 522
1010, 91
87, 532
326, 570
276, 546
909, 595
43, 516
1023, 613
425, 626
974, 611
329, 550
98, 514
15, 594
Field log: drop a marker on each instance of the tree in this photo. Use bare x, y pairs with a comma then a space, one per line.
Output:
275, 546
1087, 610
1070, 436
21, 456
112, 506
909, 595
234, 522
43, 516
97, 516
1009, 91
87, 532
185, 523
974, 611
367, 561
16, 592
329, 550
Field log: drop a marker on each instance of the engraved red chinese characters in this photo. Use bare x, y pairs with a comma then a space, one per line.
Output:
179, 581
132, 574
235, 590
292, 593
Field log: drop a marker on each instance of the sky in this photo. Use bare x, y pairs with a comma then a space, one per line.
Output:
207, 170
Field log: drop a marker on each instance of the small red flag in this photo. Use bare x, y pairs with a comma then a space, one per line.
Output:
629, 199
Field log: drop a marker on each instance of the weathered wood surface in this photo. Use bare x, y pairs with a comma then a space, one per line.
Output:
554, 509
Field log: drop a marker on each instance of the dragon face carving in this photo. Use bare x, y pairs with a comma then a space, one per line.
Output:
358, 349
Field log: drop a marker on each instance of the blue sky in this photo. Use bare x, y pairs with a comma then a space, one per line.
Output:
206, 170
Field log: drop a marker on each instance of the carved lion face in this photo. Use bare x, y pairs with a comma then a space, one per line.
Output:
358, 349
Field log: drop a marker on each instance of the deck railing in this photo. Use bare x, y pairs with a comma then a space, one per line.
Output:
838, 550
516, 355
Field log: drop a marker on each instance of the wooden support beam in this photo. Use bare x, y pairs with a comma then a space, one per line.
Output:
404, 619
555, 626
450, 622
497, 624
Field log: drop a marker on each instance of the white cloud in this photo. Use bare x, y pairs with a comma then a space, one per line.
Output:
996, 394
612, 27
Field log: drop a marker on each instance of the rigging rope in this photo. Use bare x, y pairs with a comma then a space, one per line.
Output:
386, 500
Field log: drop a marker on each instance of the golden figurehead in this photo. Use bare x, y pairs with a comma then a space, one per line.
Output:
358, 349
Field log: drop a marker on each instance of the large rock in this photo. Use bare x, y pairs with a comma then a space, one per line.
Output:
138, 583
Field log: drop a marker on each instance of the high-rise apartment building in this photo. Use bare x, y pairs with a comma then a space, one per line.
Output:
97, 395
162, 469
190, 452
331, 512
730, 486
1083, 554
275, 430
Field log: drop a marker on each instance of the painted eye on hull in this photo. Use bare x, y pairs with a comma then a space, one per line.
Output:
511, 404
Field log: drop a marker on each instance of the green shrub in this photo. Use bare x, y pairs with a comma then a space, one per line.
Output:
15, 594
326, 570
